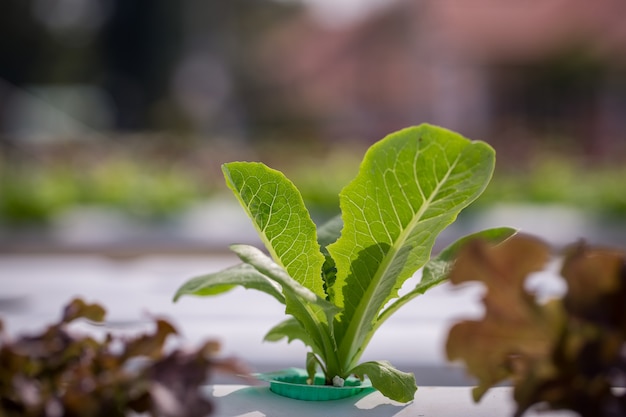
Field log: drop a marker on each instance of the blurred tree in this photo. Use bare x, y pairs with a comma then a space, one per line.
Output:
132, 49
228, 37
140, 46
20, 43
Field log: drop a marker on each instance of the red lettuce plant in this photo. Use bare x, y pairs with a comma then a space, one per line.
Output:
566, 353
56, 373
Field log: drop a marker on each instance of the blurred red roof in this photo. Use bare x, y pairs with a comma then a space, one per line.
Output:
458, 63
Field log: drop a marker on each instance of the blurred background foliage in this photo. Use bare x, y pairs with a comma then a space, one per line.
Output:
134, 104
555, 179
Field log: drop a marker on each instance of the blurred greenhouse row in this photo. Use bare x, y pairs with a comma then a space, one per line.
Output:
152, 178
153, 188
152, 185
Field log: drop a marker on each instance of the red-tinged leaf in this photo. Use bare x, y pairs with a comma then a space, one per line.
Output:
596, 281
77, 308
503, 269
515, 328
567, 353
151, 345
58, 373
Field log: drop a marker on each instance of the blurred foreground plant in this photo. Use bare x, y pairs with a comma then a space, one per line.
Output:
567, 353
58, 374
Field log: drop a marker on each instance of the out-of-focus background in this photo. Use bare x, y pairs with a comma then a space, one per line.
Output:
115, 116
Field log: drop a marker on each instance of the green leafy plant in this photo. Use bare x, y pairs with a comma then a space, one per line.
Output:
566, 353
596, 189
34, 195
340, 283
60, 373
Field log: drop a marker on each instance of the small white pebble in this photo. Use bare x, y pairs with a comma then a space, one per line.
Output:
338, 381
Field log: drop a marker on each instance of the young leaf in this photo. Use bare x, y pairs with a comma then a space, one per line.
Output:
219, 282
281, 219
291, 329
393, 384
328, 233
312, 363
411, 185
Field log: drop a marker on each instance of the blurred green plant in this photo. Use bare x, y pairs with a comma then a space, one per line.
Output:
146, 189
35, 194
560, 180
321, 180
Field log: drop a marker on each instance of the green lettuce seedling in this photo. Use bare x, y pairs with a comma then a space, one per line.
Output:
340, 283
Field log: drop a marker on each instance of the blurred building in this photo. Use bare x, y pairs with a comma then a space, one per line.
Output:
505, 71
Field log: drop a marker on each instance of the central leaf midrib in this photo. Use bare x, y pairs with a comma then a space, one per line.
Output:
387, 260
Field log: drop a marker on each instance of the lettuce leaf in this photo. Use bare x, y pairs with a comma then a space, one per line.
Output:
411, 185
278, 213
